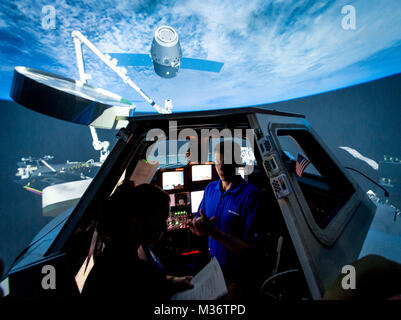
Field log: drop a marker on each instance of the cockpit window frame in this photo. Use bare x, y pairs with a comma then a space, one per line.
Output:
334, 228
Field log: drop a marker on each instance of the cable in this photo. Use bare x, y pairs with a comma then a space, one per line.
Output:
386, 194
275, 276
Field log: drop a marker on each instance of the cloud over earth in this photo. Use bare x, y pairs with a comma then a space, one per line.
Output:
272, 50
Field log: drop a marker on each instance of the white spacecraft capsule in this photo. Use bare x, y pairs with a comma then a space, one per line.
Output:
166, 52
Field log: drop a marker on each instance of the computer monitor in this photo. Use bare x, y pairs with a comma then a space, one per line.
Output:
172, 179
201, 172
196, 199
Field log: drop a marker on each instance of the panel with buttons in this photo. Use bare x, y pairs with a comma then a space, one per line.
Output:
280, 186
271, 166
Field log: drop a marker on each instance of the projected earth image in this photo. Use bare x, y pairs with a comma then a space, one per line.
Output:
271, 50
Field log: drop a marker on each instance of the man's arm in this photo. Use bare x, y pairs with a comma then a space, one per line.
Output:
238, 246
203, 226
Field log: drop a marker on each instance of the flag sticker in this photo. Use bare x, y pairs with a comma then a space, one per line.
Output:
301, 165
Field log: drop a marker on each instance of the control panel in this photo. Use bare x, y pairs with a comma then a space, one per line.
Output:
278, 178
180, 213
185, 186
180, 250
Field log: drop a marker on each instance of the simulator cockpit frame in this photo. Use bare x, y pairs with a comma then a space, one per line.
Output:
314, 223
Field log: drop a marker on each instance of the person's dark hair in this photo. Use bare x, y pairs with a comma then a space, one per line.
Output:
129, 201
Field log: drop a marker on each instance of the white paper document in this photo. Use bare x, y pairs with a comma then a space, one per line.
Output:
209, 284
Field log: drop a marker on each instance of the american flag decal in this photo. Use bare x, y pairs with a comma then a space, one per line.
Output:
301, 165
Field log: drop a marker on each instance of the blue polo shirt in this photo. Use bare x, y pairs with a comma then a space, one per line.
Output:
235, 211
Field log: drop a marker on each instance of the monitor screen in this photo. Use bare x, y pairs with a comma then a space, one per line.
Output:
201, 172
196, 199
172, 179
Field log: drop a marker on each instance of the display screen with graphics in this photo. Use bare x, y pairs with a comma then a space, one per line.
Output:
201, 172
196, 199
172, 180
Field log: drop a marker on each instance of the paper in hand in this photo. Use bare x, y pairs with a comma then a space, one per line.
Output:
209, 284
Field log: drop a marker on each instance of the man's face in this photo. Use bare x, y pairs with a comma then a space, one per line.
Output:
225, 169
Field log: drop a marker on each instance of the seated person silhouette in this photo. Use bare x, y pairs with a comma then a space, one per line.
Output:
134, 216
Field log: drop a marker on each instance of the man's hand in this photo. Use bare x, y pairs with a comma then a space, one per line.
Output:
202, 226
181, 283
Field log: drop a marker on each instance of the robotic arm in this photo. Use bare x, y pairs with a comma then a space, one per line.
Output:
102, 146
79, 38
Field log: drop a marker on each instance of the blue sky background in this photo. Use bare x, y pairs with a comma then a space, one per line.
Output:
271, 50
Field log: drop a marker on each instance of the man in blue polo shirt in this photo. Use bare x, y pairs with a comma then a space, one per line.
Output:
228, 214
